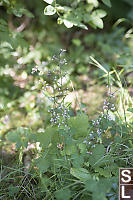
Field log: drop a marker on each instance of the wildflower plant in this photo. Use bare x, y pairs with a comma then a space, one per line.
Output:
74, 152
53, 87
102, 125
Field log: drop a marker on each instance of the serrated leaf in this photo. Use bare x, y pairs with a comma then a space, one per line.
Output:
49, 1
49, 10
107, 3
80, 173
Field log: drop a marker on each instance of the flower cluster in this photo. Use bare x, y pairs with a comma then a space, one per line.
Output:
52, 85
59, 115
100, 125
108, 103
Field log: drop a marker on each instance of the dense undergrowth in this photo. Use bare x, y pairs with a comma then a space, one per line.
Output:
74, 157
66, 121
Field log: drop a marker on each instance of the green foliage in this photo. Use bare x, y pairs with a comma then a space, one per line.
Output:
79, 160
97, 157
63, 194
80, 173
19, 136
49, 10
79, 125
77, 13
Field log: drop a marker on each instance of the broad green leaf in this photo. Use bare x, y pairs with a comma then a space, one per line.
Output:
77, 42
20, 136
80, 173
97, 155
60, 9
77, 160
14, 137
99, 13
79, 125
42, 163
106, 172
94, 2
107, 2
99, 196
91, 185
81, 25
49, 1
49, 10
45, 182
97, 21
45, 138
99, 188
70, 149
67, 23
63, 194
82, 148
19, 11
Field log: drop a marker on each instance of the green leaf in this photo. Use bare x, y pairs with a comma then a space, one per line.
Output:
94, 2
45, 138
63, 194
79, 125
130, 110
97, 155
106, 172
19, 136
107, 3
18, 11
99, 13
77, 160
82, 148
80, 173
49, 1
49, 10
97, 21
91, 185
67, 23
98, 188
43, 164
70, 149
76, 42
81, 25
98, 65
